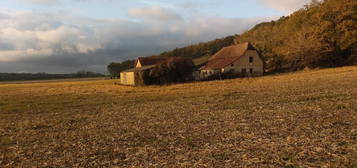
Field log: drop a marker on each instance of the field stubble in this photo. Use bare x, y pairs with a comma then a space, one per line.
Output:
303, 119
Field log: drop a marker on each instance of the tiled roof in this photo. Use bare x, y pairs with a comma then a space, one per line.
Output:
228, 55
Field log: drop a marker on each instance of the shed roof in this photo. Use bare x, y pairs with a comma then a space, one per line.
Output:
143, 68
146, 61
228, 55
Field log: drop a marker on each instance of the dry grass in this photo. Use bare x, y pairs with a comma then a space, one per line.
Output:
304, 119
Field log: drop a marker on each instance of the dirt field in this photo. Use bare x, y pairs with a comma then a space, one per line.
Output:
303, 119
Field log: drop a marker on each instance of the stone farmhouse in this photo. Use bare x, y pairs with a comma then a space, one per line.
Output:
240, 60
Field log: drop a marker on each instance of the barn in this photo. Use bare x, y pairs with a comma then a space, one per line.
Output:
241, 60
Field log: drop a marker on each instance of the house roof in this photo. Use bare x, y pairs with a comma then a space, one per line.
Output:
143, 68
228, 55
145, 61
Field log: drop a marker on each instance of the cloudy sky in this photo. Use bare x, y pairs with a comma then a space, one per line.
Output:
61, 36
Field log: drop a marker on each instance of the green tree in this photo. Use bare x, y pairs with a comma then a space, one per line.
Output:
114, 69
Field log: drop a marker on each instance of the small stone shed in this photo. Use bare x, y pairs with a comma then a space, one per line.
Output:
131, 76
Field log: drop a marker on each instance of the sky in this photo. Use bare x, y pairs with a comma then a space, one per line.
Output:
64, 36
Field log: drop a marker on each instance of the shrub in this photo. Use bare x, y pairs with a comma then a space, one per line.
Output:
173, 70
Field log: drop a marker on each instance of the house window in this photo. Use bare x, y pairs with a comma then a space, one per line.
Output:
251, 70
251, 59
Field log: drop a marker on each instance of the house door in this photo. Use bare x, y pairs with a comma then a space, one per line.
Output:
244, 72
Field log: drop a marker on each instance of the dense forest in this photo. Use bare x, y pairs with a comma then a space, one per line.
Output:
322, 34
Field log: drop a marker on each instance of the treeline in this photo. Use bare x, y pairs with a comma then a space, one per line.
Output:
322, 34
45, 76
201, 49
193, 51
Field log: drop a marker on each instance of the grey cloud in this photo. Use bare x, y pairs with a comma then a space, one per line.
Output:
6, 46
3, 16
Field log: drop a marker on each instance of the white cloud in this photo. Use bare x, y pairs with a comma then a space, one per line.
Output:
41, 36
42, 2
285, 5
155, 13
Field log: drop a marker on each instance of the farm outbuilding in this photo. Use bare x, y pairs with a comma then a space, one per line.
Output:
142, 65
241, 60
132, 76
